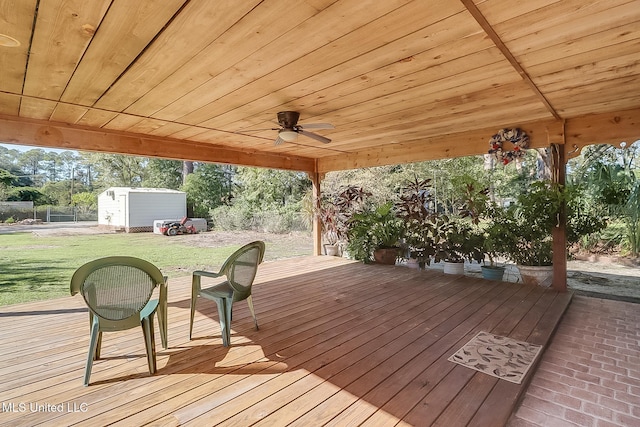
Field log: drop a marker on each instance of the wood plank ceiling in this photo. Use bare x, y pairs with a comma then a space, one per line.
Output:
400, 80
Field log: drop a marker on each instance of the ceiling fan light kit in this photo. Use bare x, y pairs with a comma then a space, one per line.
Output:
288, 135
290, 129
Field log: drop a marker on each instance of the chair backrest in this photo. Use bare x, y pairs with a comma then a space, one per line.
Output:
116, 288
241, 267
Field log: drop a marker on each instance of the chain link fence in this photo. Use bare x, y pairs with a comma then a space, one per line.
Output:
13, 213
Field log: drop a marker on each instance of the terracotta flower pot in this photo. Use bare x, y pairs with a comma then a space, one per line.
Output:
386, 256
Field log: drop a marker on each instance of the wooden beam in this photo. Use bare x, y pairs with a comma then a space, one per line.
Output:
44, 133
559, 234
541, 133
316, 180
486, 26
606, 128
574, 134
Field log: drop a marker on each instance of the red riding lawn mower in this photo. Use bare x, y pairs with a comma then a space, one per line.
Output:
178, 227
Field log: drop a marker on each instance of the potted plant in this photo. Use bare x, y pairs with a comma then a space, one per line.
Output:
460, 238
523, 231
496, 242
458, 242
331, 229
335, 212
444, 238
414, 209
374, 234
528, 226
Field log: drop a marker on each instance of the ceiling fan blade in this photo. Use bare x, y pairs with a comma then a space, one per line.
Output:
314, 136
278, 141
317, 126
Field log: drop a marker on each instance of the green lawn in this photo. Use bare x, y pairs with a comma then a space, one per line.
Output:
39, 268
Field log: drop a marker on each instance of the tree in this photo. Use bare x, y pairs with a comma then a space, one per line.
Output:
32, 163
612, 183
27, 194
206, 189
187, 169
8, 158
61, 193
6, 181
270, 188
52, 167
116, 170
163, 173
85, 202
7, 178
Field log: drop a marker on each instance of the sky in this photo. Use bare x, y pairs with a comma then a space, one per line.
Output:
30, 147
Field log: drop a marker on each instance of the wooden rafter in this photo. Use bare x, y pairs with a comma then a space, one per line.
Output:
486, 26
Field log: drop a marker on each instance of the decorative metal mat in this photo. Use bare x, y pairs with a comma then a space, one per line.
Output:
500, 357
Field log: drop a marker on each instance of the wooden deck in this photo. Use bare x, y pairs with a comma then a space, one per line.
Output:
340, 343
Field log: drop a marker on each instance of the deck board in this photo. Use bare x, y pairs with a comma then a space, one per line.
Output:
340, 343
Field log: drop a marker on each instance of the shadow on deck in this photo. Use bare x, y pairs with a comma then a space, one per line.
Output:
340, 343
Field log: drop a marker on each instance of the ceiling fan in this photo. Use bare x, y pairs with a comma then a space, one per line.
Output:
290, 129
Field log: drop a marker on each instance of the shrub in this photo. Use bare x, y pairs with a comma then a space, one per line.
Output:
274, 220
279, 222
230, 218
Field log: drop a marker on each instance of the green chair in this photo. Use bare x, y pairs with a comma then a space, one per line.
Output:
240, 270
118, 292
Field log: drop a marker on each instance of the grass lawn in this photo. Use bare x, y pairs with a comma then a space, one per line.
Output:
38, 268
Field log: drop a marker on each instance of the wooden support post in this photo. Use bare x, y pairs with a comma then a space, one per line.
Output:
316, 179
558, 172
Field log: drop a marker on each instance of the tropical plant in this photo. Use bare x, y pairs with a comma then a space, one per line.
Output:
632, 219
457, 241
609, 175
371, 229
337, 209
496, 232
333, 228
415, 209
527, 225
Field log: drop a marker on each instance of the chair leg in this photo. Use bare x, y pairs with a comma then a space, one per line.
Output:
149, 342
93, 341
162, 323
222, 316
96, 354
253, 313
229, 314
195, 285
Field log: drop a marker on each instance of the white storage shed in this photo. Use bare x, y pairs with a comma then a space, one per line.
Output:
134, 209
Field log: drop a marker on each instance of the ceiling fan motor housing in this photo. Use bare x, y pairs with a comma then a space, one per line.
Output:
288, 119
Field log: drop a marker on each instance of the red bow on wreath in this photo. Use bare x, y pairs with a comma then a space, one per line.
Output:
517, 137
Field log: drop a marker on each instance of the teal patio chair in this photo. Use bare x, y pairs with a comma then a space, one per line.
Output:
239, 270
118, 292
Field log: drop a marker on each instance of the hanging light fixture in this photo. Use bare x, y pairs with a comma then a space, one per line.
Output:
288, 135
